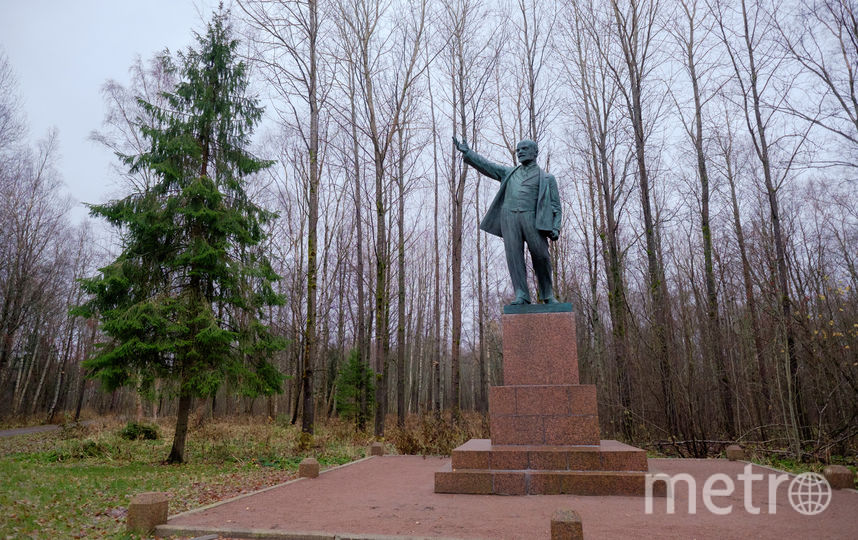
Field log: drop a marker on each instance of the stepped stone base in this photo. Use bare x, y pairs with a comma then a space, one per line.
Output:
544, 424
609, 468
606, 456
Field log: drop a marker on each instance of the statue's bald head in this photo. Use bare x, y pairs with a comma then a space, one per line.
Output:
526, 151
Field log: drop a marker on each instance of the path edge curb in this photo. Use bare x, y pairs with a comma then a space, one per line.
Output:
263, 490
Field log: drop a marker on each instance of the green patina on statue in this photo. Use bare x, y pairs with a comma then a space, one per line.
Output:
525, 210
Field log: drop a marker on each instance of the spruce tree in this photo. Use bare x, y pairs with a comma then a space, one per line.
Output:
184, 300
355, 390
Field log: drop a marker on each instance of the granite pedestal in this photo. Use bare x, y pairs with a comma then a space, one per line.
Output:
544, 424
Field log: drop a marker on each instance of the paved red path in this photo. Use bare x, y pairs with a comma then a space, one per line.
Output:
393, 495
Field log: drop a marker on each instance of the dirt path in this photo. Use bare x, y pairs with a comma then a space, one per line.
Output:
36, 429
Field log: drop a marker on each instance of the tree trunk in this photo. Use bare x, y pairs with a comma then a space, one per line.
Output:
177, 452
400, 299
634, 41
22, 384
763, 400
80, 392
715, 344
482, 402
296, 403
435, 339
757, 128
34, 402
308, 418
380, 300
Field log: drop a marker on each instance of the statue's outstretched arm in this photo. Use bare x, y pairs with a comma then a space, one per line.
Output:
481, 164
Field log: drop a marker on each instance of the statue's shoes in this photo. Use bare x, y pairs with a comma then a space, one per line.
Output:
551, 300
520, 302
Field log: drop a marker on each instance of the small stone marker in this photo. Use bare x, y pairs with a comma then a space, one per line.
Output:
147, 510
735, 452
308, 468
839, 477
566, 525
377, 449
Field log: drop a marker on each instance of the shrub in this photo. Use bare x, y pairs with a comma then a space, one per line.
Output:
79, 449
136, 430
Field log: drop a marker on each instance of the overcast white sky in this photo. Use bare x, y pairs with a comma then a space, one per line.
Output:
62, 52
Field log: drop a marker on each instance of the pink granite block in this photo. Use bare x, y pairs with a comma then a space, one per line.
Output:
542, 399
572, 430
584, 460
502, 400
610, 483
474, 454
582, 399
463, 481
548, 460
550, 359
624, 460
659, 488
517, 429
545, 483
617, 456
510, 483
508, 459
583, 484
483, 445
470, 459
630, 484
610, 445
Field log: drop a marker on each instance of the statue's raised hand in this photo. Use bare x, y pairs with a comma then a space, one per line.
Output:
461, 146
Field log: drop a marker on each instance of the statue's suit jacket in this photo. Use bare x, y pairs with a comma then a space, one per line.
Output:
548, 209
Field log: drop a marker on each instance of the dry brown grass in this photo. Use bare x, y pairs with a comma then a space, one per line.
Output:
428, 435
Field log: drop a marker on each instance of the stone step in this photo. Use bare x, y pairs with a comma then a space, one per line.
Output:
608, 455
531, 482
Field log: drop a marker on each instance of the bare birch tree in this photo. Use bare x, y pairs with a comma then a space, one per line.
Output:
288, 49
636, 27
755, 61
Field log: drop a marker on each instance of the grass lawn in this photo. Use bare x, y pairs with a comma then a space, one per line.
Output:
77, 482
